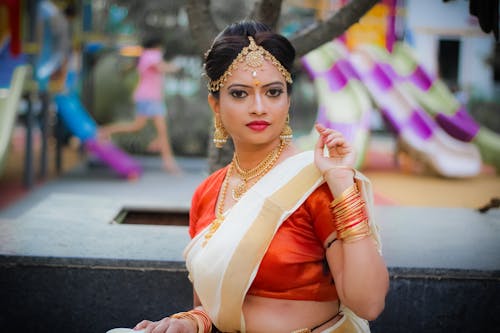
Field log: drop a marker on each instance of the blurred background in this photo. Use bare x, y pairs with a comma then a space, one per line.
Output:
440, 120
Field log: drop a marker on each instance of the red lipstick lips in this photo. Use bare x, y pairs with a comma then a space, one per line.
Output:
258, 125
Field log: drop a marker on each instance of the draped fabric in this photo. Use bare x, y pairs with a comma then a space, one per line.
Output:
222, 271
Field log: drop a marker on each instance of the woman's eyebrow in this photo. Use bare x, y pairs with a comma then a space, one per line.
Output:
274, 83
236, 85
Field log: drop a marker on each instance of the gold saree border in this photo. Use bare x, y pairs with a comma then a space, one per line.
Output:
250, 250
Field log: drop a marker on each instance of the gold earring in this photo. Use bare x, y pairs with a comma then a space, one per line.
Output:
287, 133
220, 134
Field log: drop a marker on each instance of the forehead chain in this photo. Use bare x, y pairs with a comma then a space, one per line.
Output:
251, 57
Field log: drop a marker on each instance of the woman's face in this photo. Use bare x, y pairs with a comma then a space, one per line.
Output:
253, 109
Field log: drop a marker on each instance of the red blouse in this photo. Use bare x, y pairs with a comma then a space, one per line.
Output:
294, 264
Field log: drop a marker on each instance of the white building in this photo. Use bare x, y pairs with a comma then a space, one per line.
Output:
449, 42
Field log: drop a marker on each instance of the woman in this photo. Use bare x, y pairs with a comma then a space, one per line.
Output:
282, 239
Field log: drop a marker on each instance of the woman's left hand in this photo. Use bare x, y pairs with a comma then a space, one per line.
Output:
340, 152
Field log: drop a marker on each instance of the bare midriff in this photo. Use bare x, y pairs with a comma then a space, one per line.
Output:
261, 314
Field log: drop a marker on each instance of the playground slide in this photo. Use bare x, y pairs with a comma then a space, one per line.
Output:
9, 100
417, 132
433, 94
344, 104
84, 127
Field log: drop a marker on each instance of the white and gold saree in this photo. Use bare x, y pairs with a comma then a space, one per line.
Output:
223, 270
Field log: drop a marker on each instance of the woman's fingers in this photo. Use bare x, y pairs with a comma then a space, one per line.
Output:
337, 143
153, 326
319, 127
162, 326
320, 143
334, 141
143, 324
327, 135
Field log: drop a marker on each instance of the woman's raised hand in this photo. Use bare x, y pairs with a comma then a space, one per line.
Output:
340, 152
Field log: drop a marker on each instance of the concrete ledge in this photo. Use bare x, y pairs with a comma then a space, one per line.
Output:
440, 300
64, 268
74, 295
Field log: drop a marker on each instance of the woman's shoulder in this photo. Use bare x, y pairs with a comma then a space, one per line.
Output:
212, 180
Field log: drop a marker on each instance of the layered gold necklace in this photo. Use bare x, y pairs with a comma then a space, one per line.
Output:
260, 170
255, 173
219, 211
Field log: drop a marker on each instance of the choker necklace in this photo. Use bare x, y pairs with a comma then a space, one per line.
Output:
260, 170
219, 211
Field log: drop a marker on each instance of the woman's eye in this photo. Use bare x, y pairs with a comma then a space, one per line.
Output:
238, 93
274, 92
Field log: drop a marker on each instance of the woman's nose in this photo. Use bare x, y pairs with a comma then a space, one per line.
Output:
258, 104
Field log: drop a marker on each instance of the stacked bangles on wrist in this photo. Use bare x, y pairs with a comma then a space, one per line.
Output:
199, 317
350, 215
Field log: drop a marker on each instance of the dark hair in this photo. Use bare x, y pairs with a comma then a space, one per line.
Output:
234, 38
150, 42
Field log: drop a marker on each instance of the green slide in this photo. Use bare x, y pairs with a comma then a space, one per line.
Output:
9, 100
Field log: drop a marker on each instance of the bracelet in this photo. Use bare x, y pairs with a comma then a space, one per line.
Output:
186, 315
198, 317
348, 192
350, 217
203, 321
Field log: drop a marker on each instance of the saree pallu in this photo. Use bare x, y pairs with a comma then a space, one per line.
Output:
223, 269
349, 323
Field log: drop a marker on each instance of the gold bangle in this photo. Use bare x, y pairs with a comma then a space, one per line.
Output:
354, 238
198, 317
180, 315
204, 321
189, 316
350, 217
348, 192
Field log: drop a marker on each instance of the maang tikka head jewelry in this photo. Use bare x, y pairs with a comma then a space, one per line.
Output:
252, 57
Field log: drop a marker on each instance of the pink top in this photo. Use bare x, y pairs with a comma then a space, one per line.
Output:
151, 80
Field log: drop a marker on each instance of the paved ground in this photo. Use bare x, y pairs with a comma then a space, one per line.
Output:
155, 189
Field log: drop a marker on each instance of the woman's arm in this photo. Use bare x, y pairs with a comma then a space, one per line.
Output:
360, 274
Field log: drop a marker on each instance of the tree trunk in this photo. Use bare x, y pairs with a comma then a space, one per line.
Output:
267, 11
201, 23
321, 32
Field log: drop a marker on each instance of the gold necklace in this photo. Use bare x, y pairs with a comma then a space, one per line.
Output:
257, 172
219, 210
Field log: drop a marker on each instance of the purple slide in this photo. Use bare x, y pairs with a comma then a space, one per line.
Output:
114, 157
417, 132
